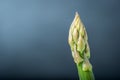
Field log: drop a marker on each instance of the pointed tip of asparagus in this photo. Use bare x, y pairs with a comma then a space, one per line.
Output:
78, 36
76, 13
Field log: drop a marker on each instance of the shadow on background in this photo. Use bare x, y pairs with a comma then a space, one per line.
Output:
33, 38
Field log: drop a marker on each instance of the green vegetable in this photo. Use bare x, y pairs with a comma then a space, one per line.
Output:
78, 41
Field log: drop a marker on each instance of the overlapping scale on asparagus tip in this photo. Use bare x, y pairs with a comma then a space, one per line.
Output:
78, 41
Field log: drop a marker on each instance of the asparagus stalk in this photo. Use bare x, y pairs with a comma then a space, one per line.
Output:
78, 41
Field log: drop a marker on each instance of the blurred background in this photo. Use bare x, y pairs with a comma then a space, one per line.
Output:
34, 33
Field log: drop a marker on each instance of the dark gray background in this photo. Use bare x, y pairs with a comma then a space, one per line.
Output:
33, 38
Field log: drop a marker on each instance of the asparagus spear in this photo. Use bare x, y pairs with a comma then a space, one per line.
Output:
78, 41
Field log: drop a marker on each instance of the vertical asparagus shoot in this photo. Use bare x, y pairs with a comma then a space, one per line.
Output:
78, 41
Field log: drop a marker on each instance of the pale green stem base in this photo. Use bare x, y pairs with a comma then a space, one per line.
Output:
84, 75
